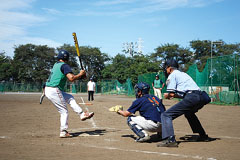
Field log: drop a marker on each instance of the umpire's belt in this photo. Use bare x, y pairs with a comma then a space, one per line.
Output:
194, 91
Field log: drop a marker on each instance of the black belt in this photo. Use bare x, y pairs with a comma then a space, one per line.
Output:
194, 91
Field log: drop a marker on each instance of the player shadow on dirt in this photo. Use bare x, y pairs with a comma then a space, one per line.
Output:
98, 132
194, 138
153, 138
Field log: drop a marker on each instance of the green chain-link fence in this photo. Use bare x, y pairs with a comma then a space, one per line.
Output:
220, 79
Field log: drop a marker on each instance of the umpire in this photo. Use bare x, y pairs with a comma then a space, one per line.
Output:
181, 85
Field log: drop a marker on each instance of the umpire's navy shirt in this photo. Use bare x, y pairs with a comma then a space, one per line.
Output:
146, 108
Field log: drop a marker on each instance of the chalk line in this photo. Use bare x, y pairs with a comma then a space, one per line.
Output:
151, 152
91, 120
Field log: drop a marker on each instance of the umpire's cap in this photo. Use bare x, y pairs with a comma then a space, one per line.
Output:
171, 63
63, 54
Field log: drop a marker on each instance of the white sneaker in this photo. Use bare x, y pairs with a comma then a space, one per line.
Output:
86, 115
65, 134
143, 139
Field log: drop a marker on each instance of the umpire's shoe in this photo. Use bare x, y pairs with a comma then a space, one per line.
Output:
169, 142
203, 138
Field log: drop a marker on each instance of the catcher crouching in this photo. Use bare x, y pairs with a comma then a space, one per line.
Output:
150, 108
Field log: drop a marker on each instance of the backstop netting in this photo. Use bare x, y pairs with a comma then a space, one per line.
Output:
220, 79
115, 87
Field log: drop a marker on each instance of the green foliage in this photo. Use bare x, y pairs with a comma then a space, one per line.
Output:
202, 50
92, 58
93, 61
73, 61
32, 63
5, 67
164, 52
123, 67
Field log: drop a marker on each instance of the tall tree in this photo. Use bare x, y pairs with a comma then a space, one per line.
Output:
73, 62
92, 58
164, 52
204, 49
118, 69
123, 67
93, 61
32, 63
5, 67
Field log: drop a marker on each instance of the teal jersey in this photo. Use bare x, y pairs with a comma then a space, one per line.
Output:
157, 83
57, 78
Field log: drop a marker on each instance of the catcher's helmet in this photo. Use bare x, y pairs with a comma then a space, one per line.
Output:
142, 86
63, 54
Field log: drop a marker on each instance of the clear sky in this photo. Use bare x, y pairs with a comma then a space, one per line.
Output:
107, 24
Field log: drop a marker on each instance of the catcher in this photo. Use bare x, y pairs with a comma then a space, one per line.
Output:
150, 109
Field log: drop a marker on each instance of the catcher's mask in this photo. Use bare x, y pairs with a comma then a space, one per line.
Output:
63, 54
169, 63
143, 87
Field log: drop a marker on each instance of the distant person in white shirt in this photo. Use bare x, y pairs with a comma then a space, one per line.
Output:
91, 89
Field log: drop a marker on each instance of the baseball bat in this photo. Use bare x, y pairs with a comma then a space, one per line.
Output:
77, 48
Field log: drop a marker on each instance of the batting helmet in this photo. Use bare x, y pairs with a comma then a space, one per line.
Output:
142, 86
63, 54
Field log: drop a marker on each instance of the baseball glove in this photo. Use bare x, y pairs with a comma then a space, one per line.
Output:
116, 108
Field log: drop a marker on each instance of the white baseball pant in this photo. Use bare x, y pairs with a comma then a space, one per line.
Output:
157, 93
147, 125
60, 100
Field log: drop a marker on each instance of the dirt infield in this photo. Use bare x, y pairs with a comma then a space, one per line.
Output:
29, 131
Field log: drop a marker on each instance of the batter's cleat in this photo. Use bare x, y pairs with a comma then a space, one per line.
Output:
86, 115
65, 134
169, 142
143, 139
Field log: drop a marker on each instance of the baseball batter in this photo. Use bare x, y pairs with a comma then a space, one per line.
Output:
61, 72
150, 109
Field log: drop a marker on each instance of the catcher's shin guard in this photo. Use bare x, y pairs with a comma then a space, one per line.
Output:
136, 129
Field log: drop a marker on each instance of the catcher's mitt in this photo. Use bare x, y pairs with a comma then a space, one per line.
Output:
116, 108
